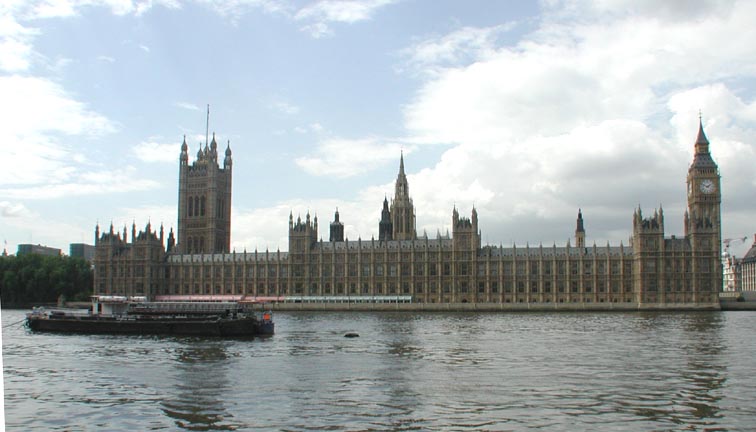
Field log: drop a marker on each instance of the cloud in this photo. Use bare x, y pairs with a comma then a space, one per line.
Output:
13, 210
15, 42
235, 9
285, 108
343, 158
106, 59
36, 111
17, 37
582, 112
76, 183
267, 228
459, 47
321, 14
151, 151
187, 106
67, 8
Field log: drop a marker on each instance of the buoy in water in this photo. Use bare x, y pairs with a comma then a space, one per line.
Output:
351, 335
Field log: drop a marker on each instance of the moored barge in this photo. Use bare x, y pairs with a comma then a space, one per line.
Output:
136, 315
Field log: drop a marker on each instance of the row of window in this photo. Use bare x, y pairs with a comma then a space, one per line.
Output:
418, 269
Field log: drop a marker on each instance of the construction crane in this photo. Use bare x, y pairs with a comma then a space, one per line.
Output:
727, 242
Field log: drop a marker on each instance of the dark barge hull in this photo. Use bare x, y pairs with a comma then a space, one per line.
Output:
153, 326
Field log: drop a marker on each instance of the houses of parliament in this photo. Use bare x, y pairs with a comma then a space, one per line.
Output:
651, 271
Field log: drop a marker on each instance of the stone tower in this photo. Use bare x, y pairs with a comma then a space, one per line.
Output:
465, 233
303, 237
702, 220
648, 247
402, 209
204, 211
580, 231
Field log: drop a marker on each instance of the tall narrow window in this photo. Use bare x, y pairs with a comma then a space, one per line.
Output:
202, 206
191, 207
196, 206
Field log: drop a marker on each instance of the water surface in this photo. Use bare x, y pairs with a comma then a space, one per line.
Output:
406, 371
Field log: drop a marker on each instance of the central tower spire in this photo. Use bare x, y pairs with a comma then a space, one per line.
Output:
402, 208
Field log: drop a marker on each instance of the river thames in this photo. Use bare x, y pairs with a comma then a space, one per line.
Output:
406, 371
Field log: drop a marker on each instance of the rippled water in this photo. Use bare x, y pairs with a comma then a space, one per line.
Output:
406, 371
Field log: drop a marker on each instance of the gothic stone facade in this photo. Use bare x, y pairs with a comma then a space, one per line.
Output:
651, 270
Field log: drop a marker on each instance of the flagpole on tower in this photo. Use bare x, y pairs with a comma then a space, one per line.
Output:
207, 125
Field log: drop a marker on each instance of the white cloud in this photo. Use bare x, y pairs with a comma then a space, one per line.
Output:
187, 106
285, 108
235, 9
35, 111
341, 157
267, 228
76, 183
320, 14
17, 37
151, 151
13, 210
106, 59
573, 115
15, 41
67, 8
458, 47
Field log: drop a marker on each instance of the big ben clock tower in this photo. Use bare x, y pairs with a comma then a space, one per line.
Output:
703, 227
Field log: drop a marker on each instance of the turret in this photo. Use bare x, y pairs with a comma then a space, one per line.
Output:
171, 242
580, 231
385, 226
227, 162
214, 149
337, 229
184, 157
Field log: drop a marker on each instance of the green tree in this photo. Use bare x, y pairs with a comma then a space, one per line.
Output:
32, 278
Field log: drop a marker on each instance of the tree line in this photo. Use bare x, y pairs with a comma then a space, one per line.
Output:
32, 278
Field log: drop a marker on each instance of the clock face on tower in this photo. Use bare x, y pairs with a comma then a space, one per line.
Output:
707, 186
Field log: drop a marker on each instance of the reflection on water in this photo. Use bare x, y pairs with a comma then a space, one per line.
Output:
564, 371
201, 387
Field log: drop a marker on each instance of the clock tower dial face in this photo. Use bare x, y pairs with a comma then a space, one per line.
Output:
707, 186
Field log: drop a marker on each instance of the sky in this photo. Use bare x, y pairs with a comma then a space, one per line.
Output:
528, 111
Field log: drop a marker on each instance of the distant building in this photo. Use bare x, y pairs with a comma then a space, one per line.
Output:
82, 250
748, 269
24, 249
731, 273
652, 270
